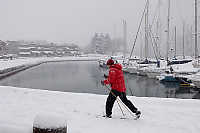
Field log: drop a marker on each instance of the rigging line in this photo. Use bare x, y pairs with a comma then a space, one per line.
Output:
141, 45
152, 35
153, 40
152, 45
156, 44
155, 14
138, 28
150, 28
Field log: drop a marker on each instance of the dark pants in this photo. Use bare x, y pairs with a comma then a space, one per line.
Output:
111, 99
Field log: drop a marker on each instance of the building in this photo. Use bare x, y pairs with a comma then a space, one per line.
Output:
35, 49
3, 48
101, 43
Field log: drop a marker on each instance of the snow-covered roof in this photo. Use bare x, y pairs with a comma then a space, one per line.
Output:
48, 52
36, 52
24, 53
26, 48
73, 52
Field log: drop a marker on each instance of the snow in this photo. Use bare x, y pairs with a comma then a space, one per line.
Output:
24, 53
47, 120
5, 64
185, 68
26, 48
38, 52
21, 107
48, 52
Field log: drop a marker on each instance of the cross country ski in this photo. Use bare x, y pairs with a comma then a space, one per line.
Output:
136, 117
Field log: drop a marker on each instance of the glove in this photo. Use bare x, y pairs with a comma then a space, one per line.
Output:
105, 76
102, 83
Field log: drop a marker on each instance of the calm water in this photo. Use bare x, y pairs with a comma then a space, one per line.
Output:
84, 77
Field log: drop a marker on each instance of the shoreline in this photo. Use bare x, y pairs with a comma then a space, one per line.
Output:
11, 70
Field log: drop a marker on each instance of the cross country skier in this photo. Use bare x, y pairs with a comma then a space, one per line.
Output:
116, 80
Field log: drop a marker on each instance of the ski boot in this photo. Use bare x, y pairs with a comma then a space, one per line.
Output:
107, 116
137, 113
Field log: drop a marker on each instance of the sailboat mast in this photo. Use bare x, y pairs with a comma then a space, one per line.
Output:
146, 30
168, 26
159, 29
125, 37
175, 41
196, 27
183, 40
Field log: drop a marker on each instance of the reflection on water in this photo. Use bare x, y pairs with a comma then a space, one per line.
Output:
85, 77
177, 91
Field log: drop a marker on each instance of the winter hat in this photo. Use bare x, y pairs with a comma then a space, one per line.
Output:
110, 62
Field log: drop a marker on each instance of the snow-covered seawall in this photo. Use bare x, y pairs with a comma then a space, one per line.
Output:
19, 107
10, 67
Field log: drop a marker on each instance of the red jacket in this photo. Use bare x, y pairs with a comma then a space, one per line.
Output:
116, 78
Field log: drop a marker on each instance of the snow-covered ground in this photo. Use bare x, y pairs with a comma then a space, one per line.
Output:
20, 106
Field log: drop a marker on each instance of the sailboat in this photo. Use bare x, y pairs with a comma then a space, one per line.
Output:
158, 66
138, 67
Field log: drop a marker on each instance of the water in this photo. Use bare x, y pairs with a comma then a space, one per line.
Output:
85, 77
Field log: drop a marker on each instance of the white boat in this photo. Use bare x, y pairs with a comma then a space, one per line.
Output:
102, 63
131, 67
196, 63
142, 71
135, 68
154, 71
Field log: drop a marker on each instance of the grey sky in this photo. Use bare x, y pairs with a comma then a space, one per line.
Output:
78, 20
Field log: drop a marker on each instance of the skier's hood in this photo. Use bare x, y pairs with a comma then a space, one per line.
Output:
117, 66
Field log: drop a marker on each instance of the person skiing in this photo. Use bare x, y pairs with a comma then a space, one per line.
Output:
116, 80
171, 69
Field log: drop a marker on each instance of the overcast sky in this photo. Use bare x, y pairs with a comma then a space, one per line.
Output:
77, 20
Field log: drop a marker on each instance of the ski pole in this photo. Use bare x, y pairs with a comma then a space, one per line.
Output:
120, 108
120, 101
117, 101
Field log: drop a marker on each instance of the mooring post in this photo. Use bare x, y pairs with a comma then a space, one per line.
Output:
49, 123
